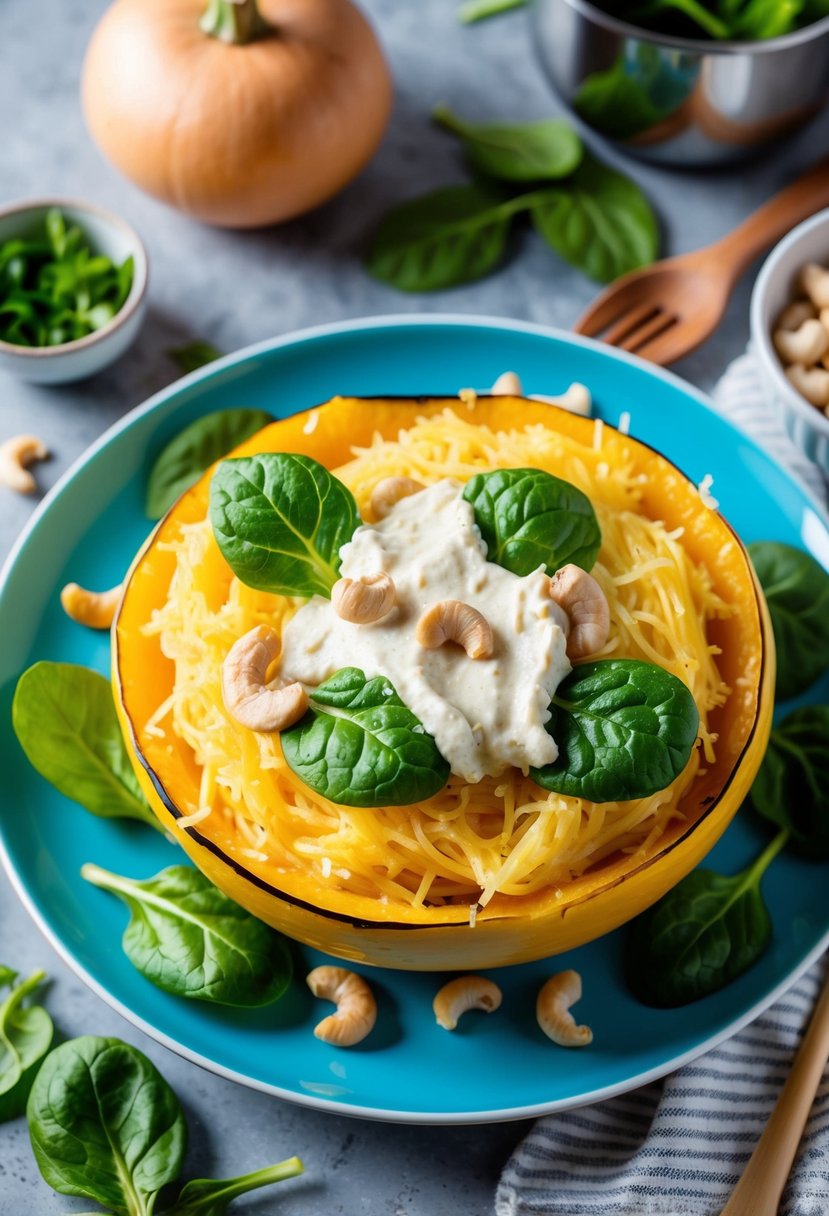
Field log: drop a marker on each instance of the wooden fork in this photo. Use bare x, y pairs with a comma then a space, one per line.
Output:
666, 310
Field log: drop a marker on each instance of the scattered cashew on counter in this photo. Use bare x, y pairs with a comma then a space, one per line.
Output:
95, 609
247, 696
588, 615
392, 490
455, 621
363, 600
356, 1006
801, 337
553, 1010
459, 996
16, 454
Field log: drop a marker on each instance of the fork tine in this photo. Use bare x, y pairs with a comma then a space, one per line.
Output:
610, 305
650, 330
629, 322
671, 344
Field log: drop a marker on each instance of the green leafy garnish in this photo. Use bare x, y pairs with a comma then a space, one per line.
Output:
529, 518
797, 593
26, 1033
792, 787
54, 288
280, 521
190, 939
737, 20
520, 152
194, 449
701, 935
625, 729
369, 751
193, 355
65, 721
618, 103
480, 10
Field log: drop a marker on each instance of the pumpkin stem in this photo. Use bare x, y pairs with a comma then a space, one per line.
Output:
234, 21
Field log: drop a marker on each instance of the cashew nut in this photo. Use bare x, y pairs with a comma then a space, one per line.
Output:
588, 614
803, 345
454, 621
247, 697
96, 609
552, 1009
15, 454
810, 382
467, 992
507, 385
356, 1006
814, 280
794, 314
576, 400
390, 491
365, 599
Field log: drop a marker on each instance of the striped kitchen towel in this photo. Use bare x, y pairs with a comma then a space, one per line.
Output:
677, 1148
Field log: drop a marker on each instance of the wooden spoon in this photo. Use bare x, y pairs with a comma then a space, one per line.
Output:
666, 310
758, 1191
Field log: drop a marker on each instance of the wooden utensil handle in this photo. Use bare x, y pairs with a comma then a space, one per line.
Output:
810, 193
758, 1191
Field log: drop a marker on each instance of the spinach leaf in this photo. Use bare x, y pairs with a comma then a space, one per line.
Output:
519, 152
26, 1033
65, 721
616, 103
797, 593
700, 936
371, 751
193, 355
529, 518
105, 1125
480, 10
190, 939
7, 975
599, 221
211, 1197
792, 787
446, 238
280, 521
625, 729
199, 445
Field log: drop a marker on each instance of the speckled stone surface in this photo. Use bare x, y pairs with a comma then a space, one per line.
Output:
233, 289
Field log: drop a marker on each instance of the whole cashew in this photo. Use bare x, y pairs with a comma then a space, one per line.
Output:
794, 314
96, 609
15, 454
507, 385
810, 382
576, 399
247, 697
803, 345
390, 491
356, 1006
466, 992
365, 599
455, 621
814, 280
588, 614
552, 1010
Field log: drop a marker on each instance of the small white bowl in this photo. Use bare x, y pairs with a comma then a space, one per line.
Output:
776, 287
108, 235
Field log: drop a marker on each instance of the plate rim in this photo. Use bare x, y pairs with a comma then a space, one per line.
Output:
318, 1102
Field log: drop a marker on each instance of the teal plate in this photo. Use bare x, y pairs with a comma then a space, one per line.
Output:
491, 1068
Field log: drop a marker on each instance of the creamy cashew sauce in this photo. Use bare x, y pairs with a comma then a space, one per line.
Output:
485, 714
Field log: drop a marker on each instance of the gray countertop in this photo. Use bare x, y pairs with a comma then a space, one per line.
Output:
236, 288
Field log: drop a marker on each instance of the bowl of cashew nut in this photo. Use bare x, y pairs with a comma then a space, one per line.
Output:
790, 333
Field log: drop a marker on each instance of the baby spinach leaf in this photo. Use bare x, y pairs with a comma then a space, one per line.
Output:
599, 221
797, 593
792, 787
616, 103
194, 449
7, 975
193, 355
529, 518
700, 936
480, 10
211, 1197
625, 729
519, 152
105, 1125
370, 751
190, 939
26, 1033
64, 718
280, 521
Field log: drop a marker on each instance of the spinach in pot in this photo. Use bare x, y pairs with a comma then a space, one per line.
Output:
797, 593
26, 1033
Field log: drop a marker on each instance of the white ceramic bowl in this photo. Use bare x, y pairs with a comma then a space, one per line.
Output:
774, 289
109, 235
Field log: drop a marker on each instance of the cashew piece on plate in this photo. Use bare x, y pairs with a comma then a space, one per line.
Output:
507, 385
811, 382
15, 455
363, 600
455, 621
247, 697
588, 614
95, 609
814, 280
458, 996
552, 1010
803, 345
576, 399
356, 1006
390, 491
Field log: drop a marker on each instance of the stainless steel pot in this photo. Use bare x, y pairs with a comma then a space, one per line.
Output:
680, 100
